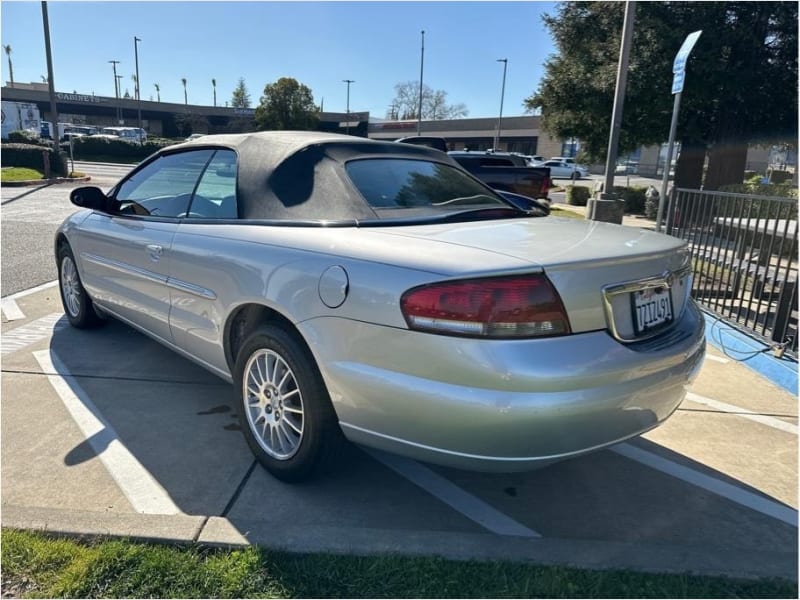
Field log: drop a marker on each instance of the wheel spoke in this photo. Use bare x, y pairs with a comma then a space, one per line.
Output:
290, 394
288, 421
286, 436
292, 409
283, 379
274, 376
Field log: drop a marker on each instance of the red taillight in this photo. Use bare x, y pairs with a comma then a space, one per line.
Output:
497, 307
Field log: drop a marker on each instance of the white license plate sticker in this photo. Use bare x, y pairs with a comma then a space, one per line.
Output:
652, 308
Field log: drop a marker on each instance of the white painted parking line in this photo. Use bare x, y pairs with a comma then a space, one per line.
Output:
11, 309
715, 486
452, 495
31, 333
9, 304
33, 290
743, 412
137, 484
718, 359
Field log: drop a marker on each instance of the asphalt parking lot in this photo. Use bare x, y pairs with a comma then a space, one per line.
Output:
107, 432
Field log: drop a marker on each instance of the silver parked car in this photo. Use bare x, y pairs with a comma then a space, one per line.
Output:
564, 170
377, 292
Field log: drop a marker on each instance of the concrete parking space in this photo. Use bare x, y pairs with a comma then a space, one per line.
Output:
107, 432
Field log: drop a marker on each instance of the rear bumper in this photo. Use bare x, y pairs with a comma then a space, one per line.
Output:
501, 405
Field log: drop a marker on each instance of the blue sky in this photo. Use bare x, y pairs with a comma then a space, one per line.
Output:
377, 44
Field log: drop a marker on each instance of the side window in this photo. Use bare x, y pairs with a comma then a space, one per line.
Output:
215, 197
164, 187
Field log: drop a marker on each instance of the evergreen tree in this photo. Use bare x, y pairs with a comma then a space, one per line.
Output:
241, 97
741, 80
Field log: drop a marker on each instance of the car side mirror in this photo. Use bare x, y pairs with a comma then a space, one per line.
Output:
90, 197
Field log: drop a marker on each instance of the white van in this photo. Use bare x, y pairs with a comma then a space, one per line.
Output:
131, 134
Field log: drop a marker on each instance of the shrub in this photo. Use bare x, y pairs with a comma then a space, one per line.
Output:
578, 195
27, 137
748, 175
784, 190
634, 198
31, 157
90, 147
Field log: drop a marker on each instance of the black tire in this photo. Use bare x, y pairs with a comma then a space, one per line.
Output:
78, 306
301, 404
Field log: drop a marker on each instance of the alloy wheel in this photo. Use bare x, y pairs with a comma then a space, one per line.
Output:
273, 404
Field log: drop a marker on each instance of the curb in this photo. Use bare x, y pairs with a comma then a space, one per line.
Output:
222, 532
51, 181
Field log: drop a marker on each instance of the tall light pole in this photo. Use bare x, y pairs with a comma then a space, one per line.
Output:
136, 41
120, 118
619, 96
50, 82
421, 65
502, 96
114, 64
214, 85
348, 82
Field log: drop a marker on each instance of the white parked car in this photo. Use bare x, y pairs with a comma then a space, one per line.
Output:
564, 170
376, 291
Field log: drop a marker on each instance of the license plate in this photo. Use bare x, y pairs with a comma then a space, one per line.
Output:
651, 308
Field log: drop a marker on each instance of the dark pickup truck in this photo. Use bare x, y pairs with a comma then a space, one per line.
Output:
506, 172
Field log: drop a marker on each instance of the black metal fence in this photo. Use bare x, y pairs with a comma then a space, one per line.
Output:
744, 251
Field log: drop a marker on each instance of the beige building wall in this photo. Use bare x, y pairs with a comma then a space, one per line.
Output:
548, 146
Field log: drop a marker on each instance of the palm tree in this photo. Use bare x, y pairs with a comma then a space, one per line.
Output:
185, 97
7, 48
158, 91
214, 85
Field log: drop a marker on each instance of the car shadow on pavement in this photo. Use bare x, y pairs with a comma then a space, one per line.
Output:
176, 420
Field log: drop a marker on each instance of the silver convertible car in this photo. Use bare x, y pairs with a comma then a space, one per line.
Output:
376, 292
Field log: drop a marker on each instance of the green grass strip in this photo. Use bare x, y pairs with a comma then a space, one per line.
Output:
36, 566
20, 174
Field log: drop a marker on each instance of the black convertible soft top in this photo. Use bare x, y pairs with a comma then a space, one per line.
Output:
300, 175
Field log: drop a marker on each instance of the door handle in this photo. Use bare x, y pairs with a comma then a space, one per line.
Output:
155, 251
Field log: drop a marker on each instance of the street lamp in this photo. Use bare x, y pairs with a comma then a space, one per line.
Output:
421, 64
348, 82
114, 64
119, 107
136, 41
502, 95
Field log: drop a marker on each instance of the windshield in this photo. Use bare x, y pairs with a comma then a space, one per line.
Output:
394, 187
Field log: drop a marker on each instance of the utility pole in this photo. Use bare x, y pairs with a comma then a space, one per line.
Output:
348, 82
606, 206
114, 64
50, 81
502, 95
136, 41
421, 65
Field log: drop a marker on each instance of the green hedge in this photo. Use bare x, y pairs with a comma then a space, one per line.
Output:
27, 137
634, 198
578, 195
91, 147
31, 156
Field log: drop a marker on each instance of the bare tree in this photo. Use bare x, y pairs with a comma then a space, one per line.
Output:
405, 104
